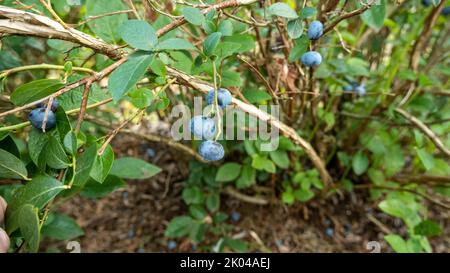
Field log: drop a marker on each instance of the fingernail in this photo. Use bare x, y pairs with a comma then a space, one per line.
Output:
2, 209
3, 204
4, 241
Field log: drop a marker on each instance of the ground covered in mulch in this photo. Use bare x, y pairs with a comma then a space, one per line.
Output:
133, 219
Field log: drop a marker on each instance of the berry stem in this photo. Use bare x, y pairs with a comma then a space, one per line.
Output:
216, 102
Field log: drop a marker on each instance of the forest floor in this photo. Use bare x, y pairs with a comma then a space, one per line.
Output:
133, 219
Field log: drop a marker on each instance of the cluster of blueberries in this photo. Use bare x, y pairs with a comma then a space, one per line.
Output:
36, 116
313, 58
205, 127
445, 11
359, 89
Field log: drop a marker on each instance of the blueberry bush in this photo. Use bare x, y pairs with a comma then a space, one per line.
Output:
362, 90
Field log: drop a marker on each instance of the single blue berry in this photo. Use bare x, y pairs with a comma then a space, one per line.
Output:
446, 11
329, 232
36, 117
131, 233
54, 107
235, 216
223, 97
315, 30
211, 150
150, 152
203, 127
171, 244
360, 90
311, 58
348, 88
426, 3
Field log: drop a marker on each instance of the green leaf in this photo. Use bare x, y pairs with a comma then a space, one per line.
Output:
303, 195
295, 28
246, 41
193, 195
256, 96
213, 202
11, 166
61, 227
38, 192
179, 226
301, 45
141, 97
106, 27
63, 125
128, 74
35, 90
280, 158
428, 228
37, 140
197, 212
226, 49
175, 44
133, 168
398, 208
263, 163
236, 245
102, 165
247, 178
426, 158
374, 17
193, 15
138, 34
29, 226
211, 42
225, 27
282, 10
93, 189
308, 12
158, 67
397, 243
55, 156
85, 161
70, 143
360, 163
357, 67
288, 197
228, 172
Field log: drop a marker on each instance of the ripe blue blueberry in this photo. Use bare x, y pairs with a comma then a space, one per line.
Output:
203, 127
311, 58
211, 150
360, 90
54, 107
329, 232
315, 30
223, 97
348, 88
427, 3
351, 87
171, 244
150, 152
446, 11
36, 117
235, 216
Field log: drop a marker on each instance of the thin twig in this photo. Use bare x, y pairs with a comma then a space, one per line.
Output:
84, 102
245, 198
48, 6
95, 17
427, 131
8, 72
